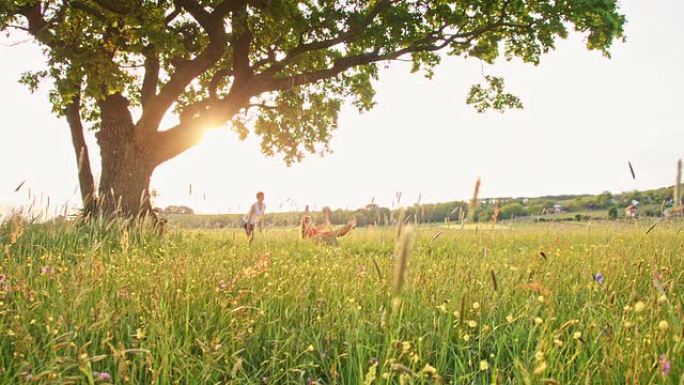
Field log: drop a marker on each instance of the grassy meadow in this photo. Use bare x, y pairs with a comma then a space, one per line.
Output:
575, 303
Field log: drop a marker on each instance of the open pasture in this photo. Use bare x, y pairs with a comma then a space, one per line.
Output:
597, 303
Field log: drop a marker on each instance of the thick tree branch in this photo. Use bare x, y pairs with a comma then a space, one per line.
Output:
176, 140
149, 86
348, 35
242, 38
37, 25
85, 175
172, 16
186, 71
206, 115
433, 41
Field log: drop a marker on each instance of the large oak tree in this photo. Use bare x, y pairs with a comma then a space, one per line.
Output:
279, 68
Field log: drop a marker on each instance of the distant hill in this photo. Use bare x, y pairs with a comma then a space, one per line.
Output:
648, 203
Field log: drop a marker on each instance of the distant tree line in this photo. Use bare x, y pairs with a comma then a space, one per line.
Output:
573, 207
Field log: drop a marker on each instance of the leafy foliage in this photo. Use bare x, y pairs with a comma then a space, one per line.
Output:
492, 95
280, 68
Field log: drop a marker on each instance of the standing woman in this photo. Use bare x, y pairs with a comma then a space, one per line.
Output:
256, 215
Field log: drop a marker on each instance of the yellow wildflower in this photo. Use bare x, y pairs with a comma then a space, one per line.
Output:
639, 307
541, 368
663, 325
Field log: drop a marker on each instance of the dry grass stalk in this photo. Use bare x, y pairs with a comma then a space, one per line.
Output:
401, 254
400, 222
19, 186
474, 200
377, 267
678, 186
494, 282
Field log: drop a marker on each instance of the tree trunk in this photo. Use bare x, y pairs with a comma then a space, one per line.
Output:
126, 163
85, 175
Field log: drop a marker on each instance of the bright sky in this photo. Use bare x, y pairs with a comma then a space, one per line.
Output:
585, 116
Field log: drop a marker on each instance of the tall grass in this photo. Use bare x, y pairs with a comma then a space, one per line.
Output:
99, 303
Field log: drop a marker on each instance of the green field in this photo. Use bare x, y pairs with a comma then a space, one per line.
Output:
98, 304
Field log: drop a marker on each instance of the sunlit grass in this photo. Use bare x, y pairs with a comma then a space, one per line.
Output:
100, 304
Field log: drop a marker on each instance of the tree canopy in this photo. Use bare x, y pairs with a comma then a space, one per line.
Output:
283, 68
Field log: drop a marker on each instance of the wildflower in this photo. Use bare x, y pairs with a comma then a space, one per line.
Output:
541, 368
558, 342
222, 285
442, 308
466, 337
429, 369
102, 376
665, 365
540, 298
539, 356
538, 321
629, 324
414, 358
509, 318
663, 325
484, 365
577, 335
476, 305
405, 346
139, 334
662, 299
472, 324
598, 277
639, 307
3, 278
310, 348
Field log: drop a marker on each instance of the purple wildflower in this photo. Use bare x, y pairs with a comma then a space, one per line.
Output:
665, 365
598, 277
3, 278
102, 376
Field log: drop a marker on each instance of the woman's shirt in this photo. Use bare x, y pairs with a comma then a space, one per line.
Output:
257, 211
